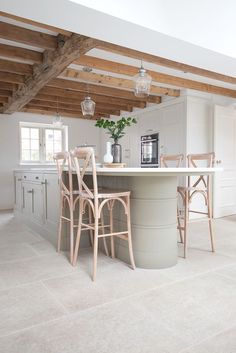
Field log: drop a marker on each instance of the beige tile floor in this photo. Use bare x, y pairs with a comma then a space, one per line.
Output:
48, 306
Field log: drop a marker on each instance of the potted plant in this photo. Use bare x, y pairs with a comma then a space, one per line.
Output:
116, 130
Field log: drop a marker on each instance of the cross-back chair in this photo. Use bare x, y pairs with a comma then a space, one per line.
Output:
198, 185
83, 159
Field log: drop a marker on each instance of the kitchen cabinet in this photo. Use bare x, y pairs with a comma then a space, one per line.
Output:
18, 191
37, 201
33, 201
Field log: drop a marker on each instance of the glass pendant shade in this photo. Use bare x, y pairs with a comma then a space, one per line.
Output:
57, 120
88, 107
142, 83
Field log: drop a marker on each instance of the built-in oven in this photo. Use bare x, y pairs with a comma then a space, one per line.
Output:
150, 150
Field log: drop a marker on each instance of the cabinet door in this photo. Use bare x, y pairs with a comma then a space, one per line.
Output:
33, 201
52, 199
18, 192
27, 198
38, 202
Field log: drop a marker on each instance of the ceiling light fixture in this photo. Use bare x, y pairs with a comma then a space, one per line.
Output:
142, 83
88, 105
57, 120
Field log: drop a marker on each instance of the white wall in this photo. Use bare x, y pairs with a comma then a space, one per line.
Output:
168, 119
79, 132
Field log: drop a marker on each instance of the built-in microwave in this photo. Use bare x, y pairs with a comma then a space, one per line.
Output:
150, 150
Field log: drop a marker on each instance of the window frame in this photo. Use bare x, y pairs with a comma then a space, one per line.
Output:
42, 141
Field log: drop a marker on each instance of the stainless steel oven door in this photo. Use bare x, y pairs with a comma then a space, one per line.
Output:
149, 152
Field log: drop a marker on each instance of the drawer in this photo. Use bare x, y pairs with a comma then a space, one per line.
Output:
18, 176
32, 176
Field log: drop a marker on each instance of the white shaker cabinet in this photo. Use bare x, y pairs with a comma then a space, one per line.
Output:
37, 201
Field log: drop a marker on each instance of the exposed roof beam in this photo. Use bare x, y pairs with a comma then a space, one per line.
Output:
9, 51
11, 78
75, 111
27, 36
8, 86
96, 98
14, 67
123, 69
164, 62
115, 82
3, 99
100, 90
49, 92
76, 105
5, 93
54, 63
36, 24
66, 114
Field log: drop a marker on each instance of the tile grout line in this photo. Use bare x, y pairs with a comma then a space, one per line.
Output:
66, 312
206, 339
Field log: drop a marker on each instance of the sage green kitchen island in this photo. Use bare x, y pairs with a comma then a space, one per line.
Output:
153, 207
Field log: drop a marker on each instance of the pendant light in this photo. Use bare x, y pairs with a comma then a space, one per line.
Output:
142, 83
88, 105
57, 120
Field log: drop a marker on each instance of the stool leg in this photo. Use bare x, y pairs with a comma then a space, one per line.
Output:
60, 226
71, 232
90, 222
185, 223
103, 232
95, 247
78, 232
111, 231
131, 255
209, 209
179, 226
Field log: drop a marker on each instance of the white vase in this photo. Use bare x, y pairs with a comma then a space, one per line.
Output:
108, 158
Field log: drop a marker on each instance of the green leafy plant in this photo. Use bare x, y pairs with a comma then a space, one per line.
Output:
115, 128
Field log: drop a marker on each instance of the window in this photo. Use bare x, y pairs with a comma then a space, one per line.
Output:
39, 142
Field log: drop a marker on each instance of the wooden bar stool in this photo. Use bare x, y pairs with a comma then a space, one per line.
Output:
68, 200
198, 185
171, 160
68, 197
83, 158
174, 161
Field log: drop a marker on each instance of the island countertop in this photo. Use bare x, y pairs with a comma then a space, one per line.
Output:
134, 171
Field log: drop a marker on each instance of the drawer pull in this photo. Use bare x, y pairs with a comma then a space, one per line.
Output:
36, 177
30, 191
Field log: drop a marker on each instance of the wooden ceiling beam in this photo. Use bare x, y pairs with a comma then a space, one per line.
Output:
129, 70
96, 98
51, 93
10, 51
5, 93
27, 36
8, 86
55, 61
11, 78
100, 90
64, 114
115, 82
15, 67
36, 24
77, 104
75, 111
135, 54
3, 99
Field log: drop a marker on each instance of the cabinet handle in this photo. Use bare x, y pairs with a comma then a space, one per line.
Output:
37, 177
30, 191
19, 179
